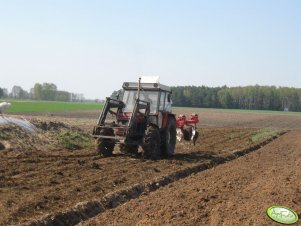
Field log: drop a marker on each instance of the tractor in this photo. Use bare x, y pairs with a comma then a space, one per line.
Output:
141, 116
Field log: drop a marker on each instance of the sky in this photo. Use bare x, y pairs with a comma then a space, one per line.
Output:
93, 46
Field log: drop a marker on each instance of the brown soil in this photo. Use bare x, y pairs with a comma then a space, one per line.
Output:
220, 118
235, 193
38, 176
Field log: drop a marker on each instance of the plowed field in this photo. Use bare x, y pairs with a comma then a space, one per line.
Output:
235, 193
41, 176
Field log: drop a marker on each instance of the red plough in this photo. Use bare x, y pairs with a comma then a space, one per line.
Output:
186, 128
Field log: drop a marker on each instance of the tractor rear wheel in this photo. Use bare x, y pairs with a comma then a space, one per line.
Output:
169, 138
151, 143
105, 146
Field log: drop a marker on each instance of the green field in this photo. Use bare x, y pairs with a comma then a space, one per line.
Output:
54, 106
49, 106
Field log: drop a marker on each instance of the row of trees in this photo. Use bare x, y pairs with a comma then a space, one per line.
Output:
45, 91
248, 97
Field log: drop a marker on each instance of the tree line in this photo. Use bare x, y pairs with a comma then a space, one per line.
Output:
247, 97
45, 91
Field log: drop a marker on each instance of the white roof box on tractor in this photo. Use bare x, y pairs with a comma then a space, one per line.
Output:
150, 79
147, 83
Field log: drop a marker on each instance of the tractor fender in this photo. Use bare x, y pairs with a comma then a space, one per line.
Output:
166, 117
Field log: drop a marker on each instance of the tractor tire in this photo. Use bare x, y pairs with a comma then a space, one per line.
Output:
129, 148
151, 143
105, 147
168, 143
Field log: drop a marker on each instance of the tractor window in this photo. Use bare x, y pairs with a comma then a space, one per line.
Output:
168, 103
129, 98
162, 101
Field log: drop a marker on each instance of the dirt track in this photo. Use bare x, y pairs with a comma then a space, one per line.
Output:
51, 181
235, 193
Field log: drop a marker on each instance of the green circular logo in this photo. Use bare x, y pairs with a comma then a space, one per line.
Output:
282, 214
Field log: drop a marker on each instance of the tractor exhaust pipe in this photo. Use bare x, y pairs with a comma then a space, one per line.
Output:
139, 87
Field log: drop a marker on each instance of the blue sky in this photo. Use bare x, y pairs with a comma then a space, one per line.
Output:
91, 47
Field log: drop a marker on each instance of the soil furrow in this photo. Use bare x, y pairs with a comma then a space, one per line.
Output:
86, 210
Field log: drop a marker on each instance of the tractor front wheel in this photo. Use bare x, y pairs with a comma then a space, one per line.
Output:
105, 146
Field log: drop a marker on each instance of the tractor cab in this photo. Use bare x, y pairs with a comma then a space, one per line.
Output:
157, 95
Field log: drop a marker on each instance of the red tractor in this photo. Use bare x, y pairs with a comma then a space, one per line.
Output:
141, 116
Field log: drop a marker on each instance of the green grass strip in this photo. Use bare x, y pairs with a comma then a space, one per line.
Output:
264, 134
50, 106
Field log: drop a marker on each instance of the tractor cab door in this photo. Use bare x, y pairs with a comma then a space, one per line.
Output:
164, 108
165, 102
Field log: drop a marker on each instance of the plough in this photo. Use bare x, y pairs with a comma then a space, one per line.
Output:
186, 128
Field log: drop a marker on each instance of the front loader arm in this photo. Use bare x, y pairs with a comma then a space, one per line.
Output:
110, 103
